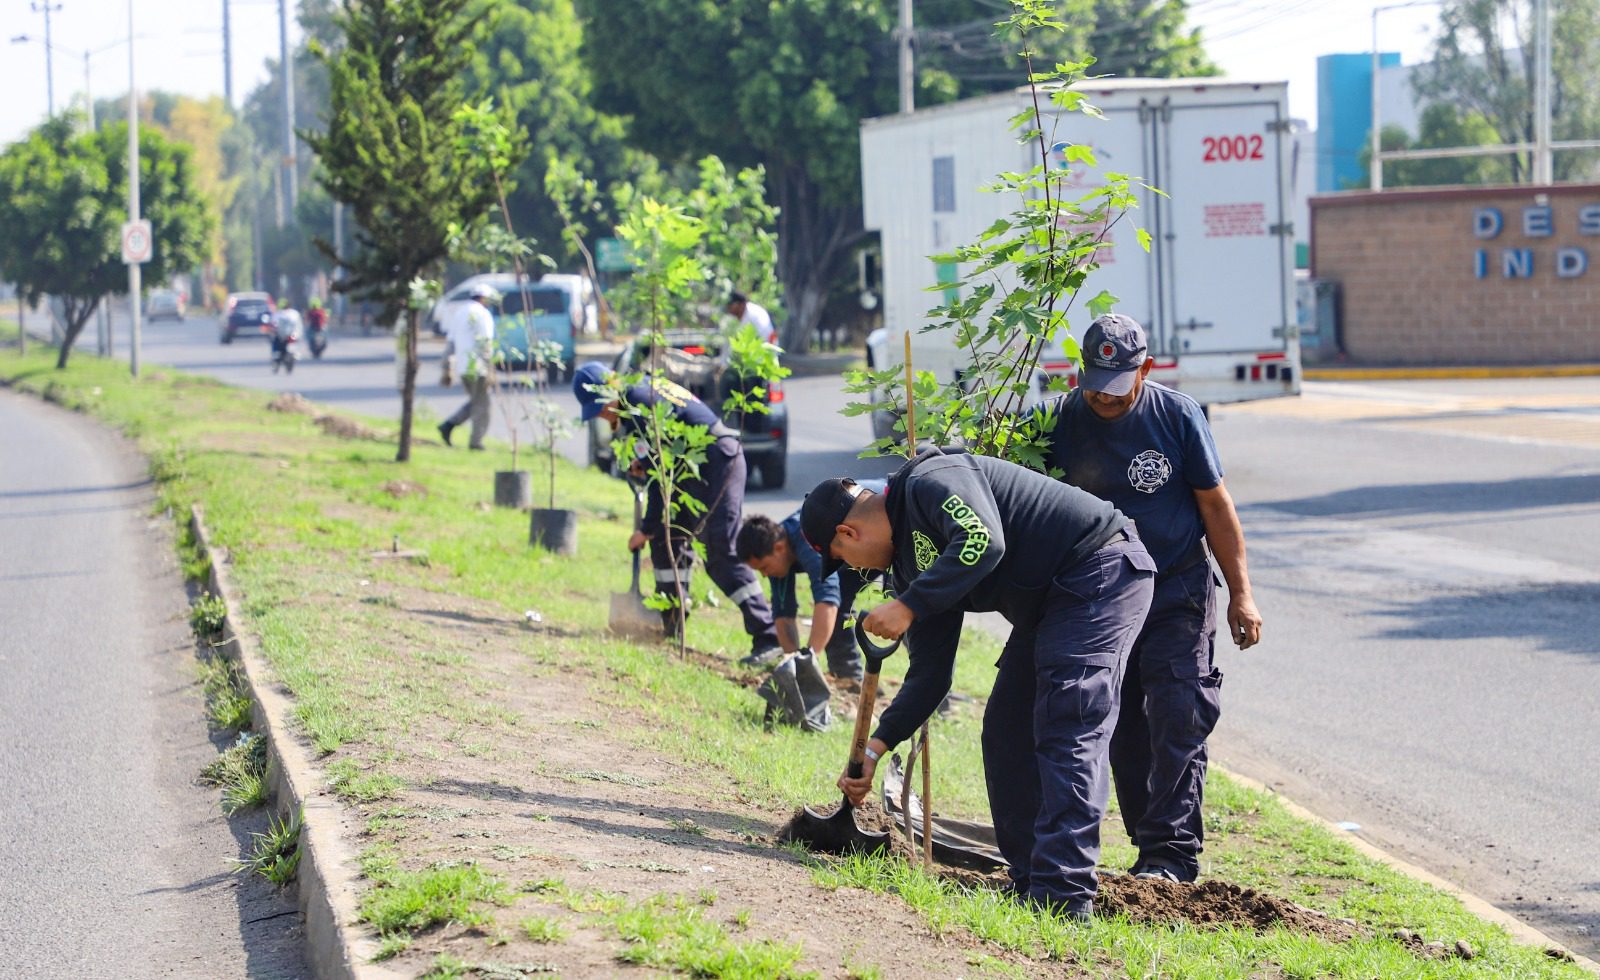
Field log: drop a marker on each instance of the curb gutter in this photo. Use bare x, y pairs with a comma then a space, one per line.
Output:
326, 880
1480, 907
1464, 373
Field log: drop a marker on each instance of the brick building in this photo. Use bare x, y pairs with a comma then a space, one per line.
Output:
1437, 276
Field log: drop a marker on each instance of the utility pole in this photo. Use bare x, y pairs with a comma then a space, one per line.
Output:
908, 77
227, 57
49, 64
291, 184
1543, 166
134, 286
338, 257
102, 331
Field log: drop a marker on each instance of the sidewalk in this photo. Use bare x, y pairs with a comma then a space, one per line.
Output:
1418, 372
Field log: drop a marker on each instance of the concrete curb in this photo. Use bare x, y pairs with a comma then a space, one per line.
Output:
336, 947
1449, 373
1480, 907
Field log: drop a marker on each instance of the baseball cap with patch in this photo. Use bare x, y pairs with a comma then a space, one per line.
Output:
824, 509
1114, 349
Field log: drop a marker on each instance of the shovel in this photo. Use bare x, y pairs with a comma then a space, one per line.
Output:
838, 832
630, 617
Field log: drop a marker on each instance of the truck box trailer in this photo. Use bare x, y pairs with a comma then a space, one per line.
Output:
1215, 292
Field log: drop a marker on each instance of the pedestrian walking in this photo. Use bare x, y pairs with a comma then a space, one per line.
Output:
470, 337
741, 306
779, 551
1148, 450
961, 533
719, 489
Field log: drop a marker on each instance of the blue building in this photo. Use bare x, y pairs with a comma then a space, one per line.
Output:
1344, 116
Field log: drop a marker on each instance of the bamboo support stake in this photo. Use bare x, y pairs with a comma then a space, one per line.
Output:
923, 742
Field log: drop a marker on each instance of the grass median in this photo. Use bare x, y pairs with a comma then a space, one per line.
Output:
531, 792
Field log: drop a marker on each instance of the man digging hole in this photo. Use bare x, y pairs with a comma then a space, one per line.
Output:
960, 533
719, 489
1147, 449
780, 551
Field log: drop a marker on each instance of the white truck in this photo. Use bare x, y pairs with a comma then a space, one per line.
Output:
1215, 293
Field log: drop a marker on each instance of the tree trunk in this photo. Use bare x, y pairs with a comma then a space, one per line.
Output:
76, 318
408, 391
813, 238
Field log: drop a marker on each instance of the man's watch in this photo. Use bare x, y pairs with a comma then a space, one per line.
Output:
872, 753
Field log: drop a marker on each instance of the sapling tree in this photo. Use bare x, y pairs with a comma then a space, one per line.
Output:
1020, 278
552, 423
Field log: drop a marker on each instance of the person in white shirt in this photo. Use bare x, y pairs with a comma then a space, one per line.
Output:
755, 314
471, 336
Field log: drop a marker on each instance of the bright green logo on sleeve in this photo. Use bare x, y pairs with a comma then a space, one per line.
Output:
977, 535
927, 554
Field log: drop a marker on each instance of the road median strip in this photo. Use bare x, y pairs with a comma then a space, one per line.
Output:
502, 781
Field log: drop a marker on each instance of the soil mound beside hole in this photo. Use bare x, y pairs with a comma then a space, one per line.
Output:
292, 403
344, 428
404, 488
1211, 903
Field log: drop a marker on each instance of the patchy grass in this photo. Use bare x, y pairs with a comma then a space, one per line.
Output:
207, 615
241, 771
406, 901
227, 704
379, 683
542, 930
275, 853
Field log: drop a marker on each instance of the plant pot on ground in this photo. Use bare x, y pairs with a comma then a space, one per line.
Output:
513, 488
554, 529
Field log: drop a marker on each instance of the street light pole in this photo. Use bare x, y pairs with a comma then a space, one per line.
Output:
908, 77
49, 64
134, 285
1375, 167
1543, 165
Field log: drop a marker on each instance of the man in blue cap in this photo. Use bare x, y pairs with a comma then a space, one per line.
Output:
1147, 449
719, 488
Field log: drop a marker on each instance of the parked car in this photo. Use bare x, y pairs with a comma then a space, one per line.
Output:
165, 304
548, 318
247, 313
698, 360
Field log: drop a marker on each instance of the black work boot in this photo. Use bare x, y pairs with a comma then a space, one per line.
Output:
444, 432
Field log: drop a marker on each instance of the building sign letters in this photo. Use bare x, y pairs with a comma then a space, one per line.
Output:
1535, 221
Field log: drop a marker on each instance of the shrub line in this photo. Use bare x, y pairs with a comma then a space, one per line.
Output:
327, 891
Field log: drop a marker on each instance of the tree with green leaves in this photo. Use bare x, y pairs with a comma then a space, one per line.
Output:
389, 153
1020, 277
1483, 63
63, 199
786, 85
1441, 125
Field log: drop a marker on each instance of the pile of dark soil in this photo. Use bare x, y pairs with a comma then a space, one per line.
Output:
1211, 903
343, 428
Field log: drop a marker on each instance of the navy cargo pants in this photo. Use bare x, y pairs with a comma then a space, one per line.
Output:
720, 489
1047, 728
1171, 698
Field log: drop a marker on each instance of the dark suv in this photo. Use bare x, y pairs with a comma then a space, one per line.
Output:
248, 313
698, 361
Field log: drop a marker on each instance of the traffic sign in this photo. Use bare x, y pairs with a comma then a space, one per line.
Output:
137, 243
612, 255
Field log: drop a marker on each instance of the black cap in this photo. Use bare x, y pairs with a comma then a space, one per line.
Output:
824, 509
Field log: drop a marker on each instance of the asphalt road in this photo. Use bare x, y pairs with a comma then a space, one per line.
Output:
115, 862
1427, 559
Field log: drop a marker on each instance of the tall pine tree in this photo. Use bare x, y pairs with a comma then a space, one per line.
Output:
389, 151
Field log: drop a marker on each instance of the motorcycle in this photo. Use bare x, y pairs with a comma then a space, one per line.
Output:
317, 325
285, 338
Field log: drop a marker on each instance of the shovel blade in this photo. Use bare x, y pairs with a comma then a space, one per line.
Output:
836, 833
631, 618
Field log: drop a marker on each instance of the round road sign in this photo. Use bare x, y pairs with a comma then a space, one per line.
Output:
136, 242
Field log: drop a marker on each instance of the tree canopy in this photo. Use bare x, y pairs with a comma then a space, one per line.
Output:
1483, 63
63, 199
1441, 125
785, 85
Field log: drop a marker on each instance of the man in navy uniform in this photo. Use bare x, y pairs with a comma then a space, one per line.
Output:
719, 488
779, 551
962, 533
1147, 449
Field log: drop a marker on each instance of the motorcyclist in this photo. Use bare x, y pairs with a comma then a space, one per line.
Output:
286, 326
317, 321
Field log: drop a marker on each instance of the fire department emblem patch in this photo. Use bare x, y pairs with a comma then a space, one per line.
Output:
1108, 351
926, 553
1149, 471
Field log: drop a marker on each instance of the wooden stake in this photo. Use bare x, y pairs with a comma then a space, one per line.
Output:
923, 742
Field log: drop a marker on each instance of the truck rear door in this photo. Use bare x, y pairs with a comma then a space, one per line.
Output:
1225, 273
